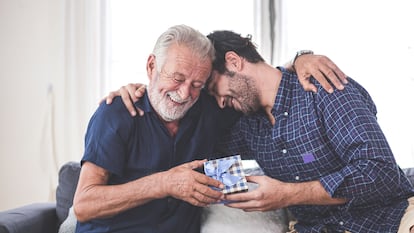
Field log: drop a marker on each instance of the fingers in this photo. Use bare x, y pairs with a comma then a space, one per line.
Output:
254, 179
129, 90
194, 187
202, 199
307, 85
126, 98
245, 201
248, 201
248, 206
330, 74
194, 164
204, 189
338, 72
130, 94
209, 182
337, 79
330, 71
320, 77
139, 93
323, 70
134, 91
206, 195
111, 96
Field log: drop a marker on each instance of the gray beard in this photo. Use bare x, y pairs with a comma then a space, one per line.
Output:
168, 113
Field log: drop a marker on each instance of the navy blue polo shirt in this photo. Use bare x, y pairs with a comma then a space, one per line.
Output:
134, 147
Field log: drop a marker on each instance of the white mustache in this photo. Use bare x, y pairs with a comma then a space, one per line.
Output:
177, 98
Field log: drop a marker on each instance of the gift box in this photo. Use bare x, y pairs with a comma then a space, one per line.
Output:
229, 171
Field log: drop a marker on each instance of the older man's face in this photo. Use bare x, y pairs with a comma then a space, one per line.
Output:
177, 87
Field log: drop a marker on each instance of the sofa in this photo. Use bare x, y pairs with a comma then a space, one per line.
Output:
47, 217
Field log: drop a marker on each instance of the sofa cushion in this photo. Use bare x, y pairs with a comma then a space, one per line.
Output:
68, 180
37, 217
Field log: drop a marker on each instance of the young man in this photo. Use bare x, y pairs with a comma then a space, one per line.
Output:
324, 155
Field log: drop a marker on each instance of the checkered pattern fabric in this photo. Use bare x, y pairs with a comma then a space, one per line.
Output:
335, 139
236, 170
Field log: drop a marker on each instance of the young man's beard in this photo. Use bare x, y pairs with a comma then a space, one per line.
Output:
246, 93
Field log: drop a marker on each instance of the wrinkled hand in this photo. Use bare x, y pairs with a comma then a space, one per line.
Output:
322, 69
130, 94
182, 182
269, 195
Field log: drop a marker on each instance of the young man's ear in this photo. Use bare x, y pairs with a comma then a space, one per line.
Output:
233, 61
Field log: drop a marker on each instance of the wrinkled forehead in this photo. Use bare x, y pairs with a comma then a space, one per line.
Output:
187, 62
185, 71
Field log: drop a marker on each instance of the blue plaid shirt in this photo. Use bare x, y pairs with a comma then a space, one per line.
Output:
334, 138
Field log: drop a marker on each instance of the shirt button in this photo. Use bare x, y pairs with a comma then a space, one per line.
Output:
286, 114
341, 223
297, 177
284, 151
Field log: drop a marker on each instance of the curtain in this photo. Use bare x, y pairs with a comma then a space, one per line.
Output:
85, 69
271, 31
73, 99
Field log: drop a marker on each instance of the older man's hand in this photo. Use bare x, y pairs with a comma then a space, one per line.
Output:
183, 182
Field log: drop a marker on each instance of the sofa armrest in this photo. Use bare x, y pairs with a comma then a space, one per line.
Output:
34, 218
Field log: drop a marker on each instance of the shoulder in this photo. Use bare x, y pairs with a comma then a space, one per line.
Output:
117, 106
112, 115
354, 96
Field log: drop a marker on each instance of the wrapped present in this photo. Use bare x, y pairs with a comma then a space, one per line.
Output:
229, 171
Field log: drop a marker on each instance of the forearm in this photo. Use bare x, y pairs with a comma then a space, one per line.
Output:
310, 193
100, 201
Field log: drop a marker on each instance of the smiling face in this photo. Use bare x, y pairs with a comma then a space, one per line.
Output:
176, 87
235, 90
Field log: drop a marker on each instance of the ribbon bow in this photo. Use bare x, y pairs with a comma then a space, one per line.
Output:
221, 173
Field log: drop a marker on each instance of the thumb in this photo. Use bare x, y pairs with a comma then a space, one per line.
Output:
253, 179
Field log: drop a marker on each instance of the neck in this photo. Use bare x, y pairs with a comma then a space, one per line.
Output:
268, 79
171, 126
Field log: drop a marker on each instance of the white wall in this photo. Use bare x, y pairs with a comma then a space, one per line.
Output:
32, 59
36, 54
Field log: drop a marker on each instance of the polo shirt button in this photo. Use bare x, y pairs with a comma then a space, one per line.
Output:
284, 151
297, 178
341, 223
286, 114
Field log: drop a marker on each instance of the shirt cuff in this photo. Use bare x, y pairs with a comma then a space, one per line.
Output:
332, 181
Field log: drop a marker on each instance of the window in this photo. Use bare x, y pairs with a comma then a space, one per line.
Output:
372, 41
136, 25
